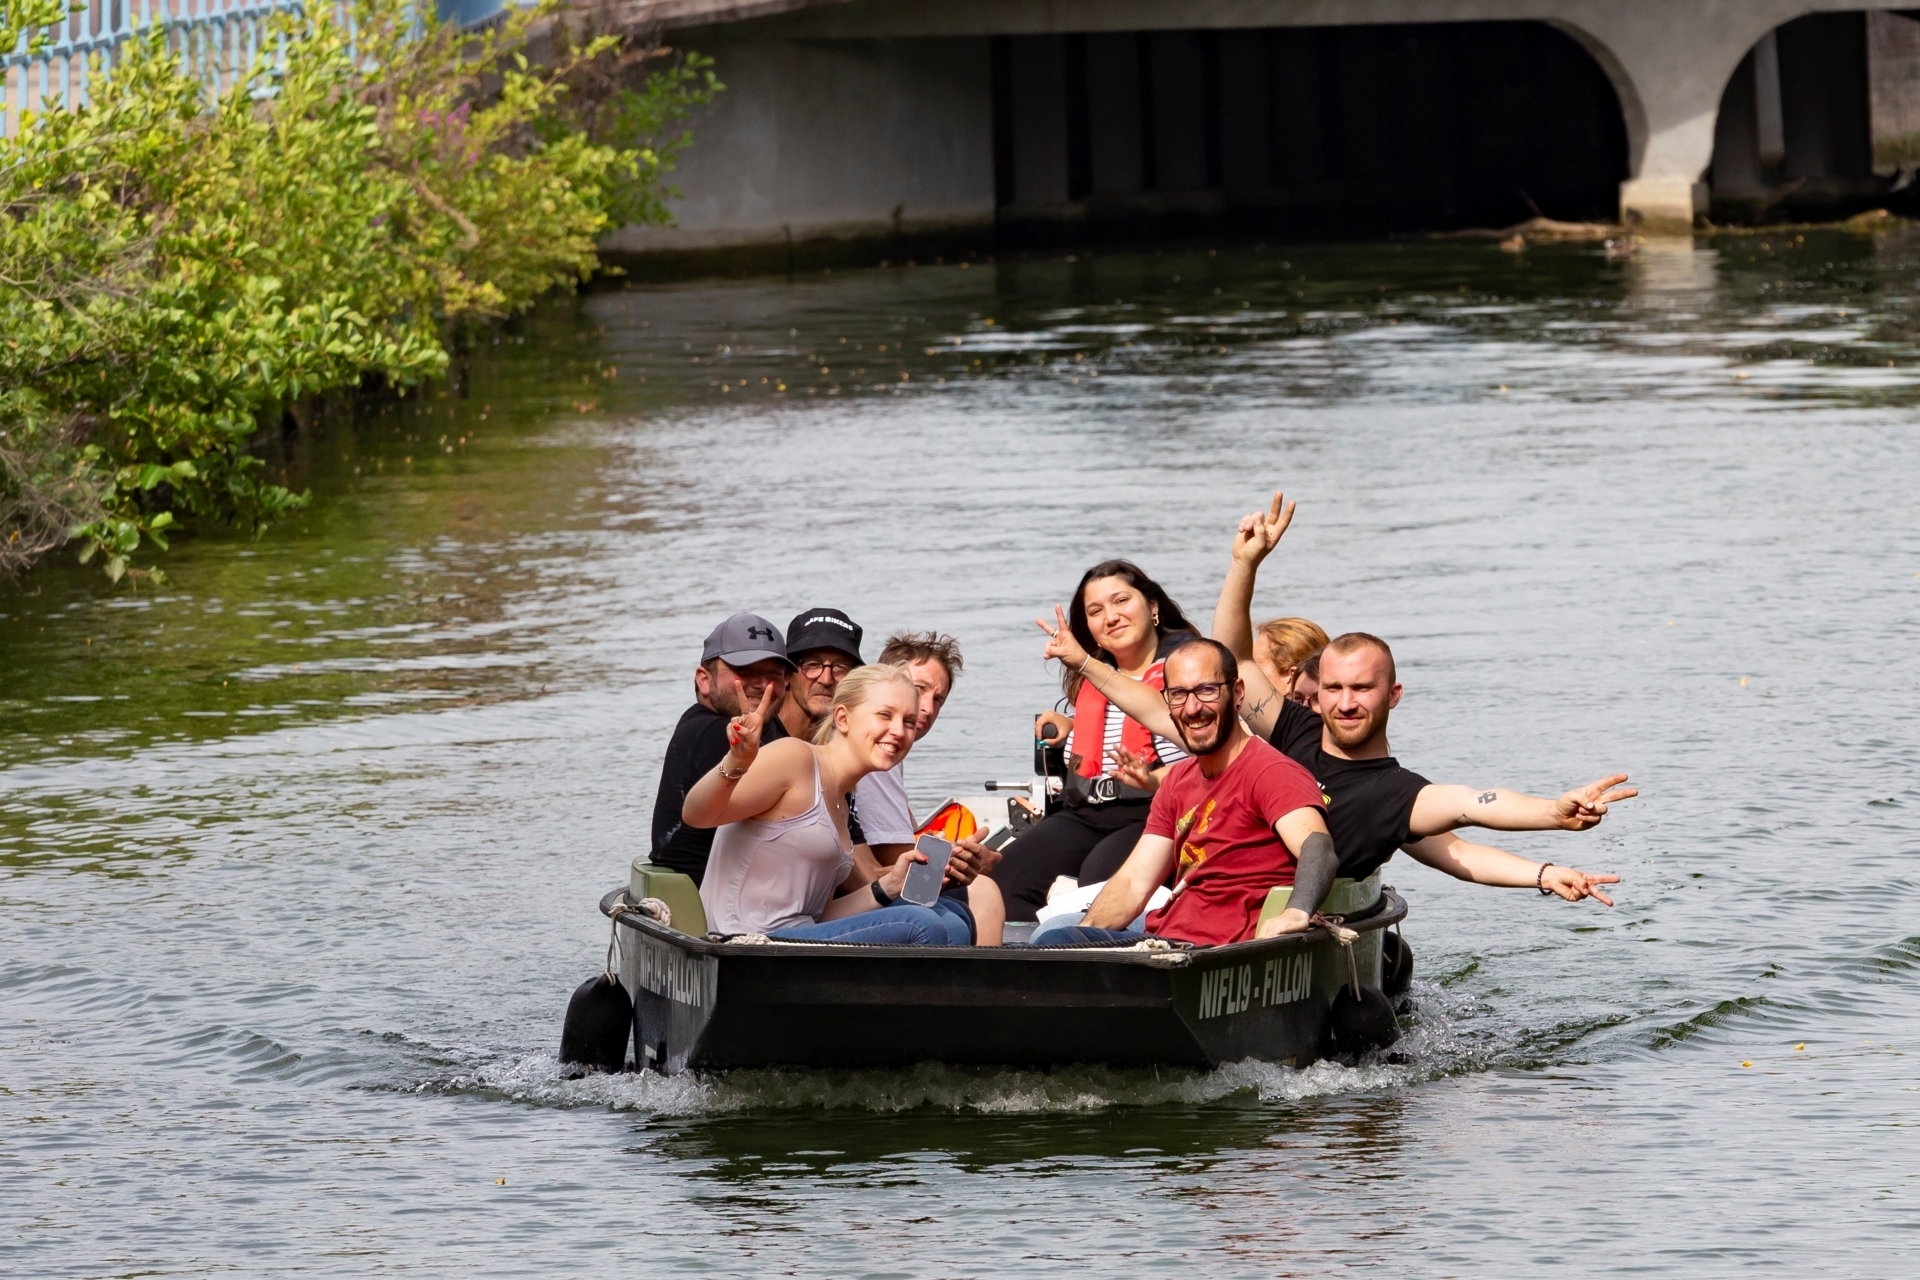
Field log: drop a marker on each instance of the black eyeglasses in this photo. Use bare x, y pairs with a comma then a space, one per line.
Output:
1208, 695
814, 668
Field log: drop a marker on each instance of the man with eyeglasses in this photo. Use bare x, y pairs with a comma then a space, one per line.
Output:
823, 644
1236, 820
742, 656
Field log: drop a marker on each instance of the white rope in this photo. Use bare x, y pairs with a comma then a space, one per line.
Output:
1346, 938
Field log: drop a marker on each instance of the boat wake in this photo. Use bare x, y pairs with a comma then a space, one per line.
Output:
1435, 1043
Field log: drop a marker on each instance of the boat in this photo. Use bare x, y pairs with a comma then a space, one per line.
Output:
705, 1001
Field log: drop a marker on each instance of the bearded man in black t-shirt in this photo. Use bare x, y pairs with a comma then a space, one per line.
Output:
1375, 806
742, 656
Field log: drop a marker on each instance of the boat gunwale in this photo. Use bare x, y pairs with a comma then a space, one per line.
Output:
1392, 910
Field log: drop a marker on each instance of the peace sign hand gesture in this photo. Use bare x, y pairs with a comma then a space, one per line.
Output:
1060, 640
1583, 807
1260, 533
743, 733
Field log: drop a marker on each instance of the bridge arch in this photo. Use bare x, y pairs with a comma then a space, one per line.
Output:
1820, 118
1360, 128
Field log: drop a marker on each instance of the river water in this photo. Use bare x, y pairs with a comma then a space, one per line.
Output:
299, 852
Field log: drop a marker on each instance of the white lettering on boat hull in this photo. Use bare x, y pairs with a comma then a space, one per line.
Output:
1281, 980
670, 972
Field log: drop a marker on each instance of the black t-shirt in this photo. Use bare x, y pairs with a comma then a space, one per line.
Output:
1369, 802
699, 742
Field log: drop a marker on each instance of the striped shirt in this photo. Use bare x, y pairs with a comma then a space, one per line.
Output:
1169, 751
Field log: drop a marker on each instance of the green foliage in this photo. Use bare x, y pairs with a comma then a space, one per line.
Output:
30, 19
175, 273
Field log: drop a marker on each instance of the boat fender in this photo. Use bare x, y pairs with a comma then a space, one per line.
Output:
1357, 1024
1361, 1017
600, 1016
1396, 965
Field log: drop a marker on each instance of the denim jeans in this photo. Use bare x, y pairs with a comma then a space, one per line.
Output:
954, 912
900, 925
1072, 934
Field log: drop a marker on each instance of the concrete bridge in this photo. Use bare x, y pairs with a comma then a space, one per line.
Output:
923, 122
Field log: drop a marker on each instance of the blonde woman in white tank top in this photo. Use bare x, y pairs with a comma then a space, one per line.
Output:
781, 854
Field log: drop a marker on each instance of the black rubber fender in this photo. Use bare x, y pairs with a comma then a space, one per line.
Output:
1360, 1025
599, 1020
1396, 965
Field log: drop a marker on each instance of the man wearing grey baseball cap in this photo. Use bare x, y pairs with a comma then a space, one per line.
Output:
742, 656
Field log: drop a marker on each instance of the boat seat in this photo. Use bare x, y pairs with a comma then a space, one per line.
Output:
678, 891
1343, 899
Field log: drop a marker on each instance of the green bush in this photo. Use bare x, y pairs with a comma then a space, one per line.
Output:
175, 272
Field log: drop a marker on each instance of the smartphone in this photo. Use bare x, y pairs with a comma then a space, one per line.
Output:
925, 878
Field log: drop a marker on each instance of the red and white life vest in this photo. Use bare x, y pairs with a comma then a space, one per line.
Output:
1090, 725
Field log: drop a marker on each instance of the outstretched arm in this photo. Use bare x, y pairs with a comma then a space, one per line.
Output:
1144, 704
1256, 536
1484, 864
1443, 807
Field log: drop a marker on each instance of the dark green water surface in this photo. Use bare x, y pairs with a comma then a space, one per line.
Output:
299, 853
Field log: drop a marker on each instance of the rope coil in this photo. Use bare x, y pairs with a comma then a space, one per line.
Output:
653, 908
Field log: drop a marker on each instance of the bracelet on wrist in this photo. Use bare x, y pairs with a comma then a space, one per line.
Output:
734, 775
880, 896
1540, 880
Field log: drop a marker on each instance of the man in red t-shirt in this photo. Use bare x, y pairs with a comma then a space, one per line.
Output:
1238, 818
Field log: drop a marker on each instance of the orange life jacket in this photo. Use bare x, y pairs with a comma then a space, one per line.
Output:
1090, 725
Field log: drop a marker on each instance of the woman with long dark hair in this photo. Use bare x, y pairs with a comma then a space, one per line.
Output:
1126, 619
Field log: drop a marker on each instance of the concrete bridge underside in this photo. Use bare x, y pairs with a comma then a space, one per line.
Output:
942, 120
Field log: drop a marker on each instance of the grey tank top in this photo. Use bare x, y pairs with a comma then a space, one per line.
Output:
764, 876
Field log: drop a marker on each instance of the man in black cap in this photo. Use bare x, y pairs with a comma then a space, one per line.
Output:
823, 645
742, 656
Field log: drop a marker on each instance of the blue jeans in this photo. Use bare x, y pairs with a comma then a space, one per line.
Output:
954, 912
1064, 934
900, 925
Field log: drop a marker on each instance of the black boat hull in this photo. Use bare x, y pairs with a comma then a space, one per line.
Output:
709, 1004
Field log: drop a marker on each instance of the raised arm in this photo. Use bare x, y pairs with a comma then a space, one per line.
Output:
1255, 537
1444, 807
1484, 864
1143, 703
747, 781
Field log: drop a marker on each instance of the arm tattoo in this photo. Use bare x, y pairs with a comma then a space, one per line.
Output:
1488, 797
1254, 710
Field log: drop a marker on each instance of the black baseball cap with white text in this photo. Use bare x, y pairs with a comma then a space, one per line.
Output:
824, 629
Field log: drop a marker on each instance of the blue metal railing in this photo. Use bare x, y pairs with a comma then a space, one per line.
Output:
217, 40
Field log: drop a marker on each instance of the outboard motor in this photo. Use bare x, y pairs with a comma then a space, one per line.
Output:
1396, 966
1049, 761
